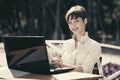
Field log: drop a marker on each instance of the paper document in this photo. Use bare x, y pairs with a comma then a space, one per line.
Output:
5, 73
75, 75
3, 61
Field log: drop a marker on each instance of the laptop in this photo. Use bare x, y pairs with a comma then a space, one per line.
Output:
29, 54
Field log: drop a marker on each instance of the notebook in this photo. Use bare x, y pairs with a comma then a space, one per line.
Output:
29, 54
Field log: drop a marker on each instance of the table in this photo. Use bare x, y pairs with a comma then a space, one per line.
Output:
63, 76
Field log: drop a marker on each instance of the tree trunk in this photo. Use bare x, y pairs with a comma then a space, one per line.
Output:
57, 33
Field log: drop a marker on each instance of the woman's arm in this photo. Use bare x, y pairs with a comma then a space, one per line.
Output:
58, 62
92, 58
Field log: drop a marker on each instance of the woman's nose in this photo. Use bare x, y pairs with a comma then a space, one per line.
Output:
73, 24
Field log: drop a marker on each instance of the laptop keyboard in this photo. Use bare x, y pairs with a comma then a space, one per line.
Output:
61, 70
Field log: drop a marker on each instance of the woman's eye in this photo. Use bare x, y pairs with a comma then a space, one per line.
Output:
69, 22
77, 21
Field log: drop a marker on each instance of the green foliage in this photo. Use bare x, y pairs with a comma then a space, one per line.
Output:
46, 17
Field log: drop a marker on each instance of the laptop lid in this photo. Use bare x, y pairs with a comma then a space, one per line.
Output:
27, 53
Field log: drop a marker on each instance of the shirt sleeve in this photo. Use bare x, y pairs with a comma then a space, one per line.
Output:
92, 58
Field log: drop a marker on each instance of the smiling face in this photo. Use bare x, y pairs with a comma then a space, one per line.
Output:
77, 25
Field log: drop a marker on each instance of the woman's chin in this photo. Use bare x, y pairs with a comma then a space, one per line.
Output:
75, 33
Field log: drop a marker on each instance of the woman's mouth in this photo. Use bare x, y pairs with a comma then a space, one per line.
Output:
74, 29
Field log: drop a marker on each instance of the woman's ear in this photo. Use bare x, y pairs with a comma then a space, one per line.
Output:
85, 20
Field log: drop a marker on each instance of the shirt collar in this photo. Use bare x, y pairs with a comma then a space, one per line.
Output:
83, 38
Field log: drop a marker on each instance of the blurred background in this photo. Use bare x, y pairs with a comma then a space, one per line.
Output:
46, 18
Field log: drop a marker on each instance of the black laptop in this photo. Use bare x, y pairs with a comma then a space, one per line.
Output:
29, 54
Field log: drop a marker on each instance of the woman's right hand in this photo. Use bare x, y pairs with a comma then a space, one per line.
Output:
57, 61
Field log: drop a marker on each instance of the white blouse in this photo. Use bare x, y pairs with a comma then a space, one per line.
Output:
86, 54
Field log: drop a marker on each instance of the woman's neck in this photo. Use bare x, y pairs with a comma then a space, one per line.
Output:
78, 37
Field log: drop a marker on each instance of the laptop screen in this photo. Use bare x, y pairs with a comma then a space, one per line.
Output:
27, 53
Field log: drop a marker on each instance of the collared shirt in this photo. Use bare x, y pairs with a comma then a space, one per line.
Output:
86, 54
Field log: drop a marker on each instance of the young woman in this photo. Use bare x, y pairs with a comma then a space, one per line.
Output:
80, 51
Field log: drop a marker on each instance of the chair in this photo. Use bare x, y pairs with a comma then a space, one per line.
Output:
96, 69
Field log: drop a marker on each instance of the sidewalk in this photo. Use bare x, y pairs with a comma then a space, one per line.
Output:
110, 55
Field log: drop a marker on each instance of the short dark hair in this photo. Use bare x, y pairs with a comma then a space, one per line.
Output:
76, 11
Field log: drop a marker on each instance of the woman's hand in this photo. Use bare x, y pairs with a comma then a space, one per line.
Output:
57, 61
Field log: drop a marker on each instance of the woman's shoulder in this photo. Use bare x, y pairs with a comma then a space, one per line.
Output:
94, 42
68, 40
